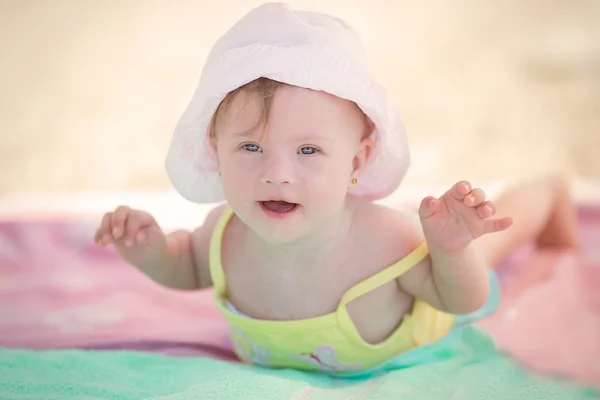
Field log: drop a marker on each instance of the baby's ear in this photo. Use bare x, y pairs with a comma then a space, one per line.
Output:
366, 145
362, 156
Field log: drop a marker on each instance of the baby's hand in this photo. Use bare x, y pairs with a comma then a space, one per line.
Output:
459, 216
134, 233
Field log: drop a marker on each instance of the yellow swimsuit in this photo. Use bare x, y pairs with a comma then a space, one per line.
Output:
329, 342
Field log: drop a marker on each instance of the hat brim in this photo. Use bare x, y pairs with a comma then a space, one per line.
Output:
191, 162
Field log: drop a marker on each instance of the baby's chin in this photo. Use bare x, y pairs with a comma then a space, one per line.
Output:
284, 224
281, 232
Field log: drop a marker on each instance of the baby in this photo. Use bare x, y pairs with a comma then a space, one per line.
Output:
290, 129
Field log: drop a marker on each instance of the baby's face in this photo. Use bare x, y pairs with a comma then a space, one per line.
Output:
286, 178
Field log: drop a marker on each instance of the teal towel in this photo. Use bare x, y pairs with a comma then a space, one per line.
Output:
464, 365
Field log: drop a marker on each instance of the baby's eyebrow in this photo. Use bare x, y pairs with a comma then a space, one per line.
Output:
246, 133
313, 138
304, 138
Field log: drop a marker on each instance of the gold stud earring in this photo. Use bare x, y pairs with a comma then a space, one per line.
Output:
220, 175
354, 181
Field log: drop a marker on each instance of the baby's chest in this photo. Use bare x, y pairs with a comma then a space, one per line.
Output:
301, 294
281, 295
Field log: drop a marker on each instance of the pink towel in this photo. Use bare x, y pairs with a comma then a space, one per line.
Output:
57, 289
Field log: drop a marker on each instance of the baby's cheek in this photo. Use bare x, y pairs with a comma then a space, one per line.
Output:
236, 185
242, 162
329, 188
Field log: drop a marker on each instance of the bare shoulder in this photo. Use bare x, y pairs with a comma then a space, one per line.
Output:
394, 231
201, 243
393, 234
381, 236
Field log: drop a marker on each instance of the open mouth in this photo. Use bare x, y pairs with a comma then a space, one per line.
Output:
279, 207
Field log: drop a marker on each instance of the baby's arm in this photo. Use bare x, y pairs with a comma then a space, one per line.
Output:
178, 260
455, 283
454, 277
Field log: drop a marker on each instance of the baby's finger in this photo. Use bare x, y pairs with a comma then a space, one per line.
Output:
497, 225
428, 207
151, 235
98, 238
486, 210
104, 230
460, 190
475, 198
118, 221
135, 223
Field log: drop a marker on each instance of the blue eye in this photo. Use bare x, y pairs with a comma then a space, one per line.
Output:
251, 147
308, 150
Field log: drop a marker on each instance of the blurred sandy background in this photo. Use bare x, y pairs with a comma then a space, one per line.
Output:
91, 89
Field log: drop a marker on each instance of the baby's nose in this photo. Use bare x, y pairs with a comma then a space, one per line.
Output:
278, 171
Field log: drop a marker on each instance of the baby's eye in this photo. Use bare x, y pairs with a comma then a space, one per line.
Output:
251, 147
308, 150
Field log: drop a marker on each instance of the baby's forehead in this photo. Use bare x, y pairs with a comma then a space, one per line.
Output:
292, 107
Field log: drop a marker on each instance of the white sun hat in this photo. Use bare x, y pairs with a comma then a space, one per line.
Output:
306, 49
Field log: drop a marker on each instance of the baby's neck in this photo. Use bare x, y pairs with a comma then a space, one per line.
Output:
322, 246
